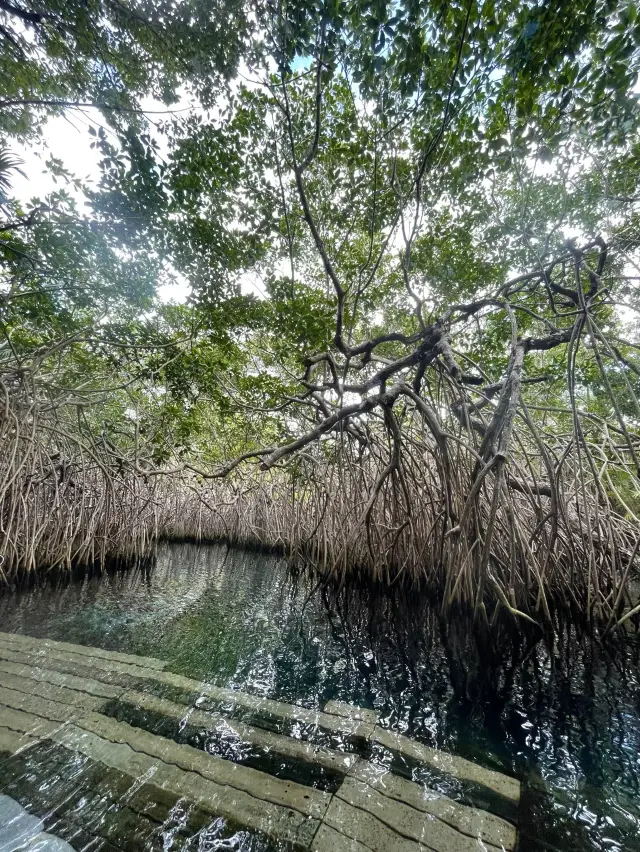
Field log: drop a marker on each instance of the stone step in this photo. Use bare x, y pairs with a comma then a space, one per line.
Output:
366, 809
99, 809
233, 731
473, 822
49, 676
228, 701
86, 650
350, 711
419, 825
70, 696
73, 692
442, 762
115, 671
278, 809
309, 800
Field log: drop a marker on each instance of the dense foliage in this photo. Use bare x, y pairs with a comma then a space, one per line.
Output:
410, 233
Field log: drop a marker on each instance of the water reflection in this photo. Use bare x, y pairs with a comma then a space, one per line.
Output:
567, 715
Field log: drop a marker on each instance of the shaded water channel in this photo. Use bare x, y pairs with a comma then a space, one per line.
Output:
566, 720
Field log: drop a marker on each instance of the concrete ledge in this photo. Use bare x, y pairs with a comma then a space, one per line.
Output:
450, 764
307, 800
22, 693
366, 829
341, 721
69, 694
413, 824
76, 699
22, 641
281, 820
327, 839
12, 742
264, 740
350, 711
478, 824
55, 678
206, 695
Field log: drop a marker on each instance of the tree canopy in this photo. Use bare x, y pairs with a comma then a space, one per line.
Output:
410, 233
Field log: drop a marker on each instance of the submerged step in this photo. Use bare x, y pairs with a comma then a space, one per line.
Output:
383, 828
96, 808
305, 799
232, 734
93, 653
424, 825
234, 731
449, 764
228, 701
475, 823
12, 742
357, 812
278, 809
51, 677
350, 711
62, 693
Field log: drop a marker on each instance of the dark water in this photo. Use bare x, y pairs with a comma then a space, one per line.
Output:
565, 718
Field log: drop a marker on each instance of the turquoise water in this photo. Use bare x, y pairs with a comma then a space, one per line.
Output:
565, 718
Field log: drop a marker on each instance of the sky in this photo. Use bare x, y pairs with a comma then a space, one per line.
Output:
67, 138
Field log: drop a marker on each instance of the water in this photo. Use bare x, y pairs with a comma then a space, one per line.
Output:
566, 719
